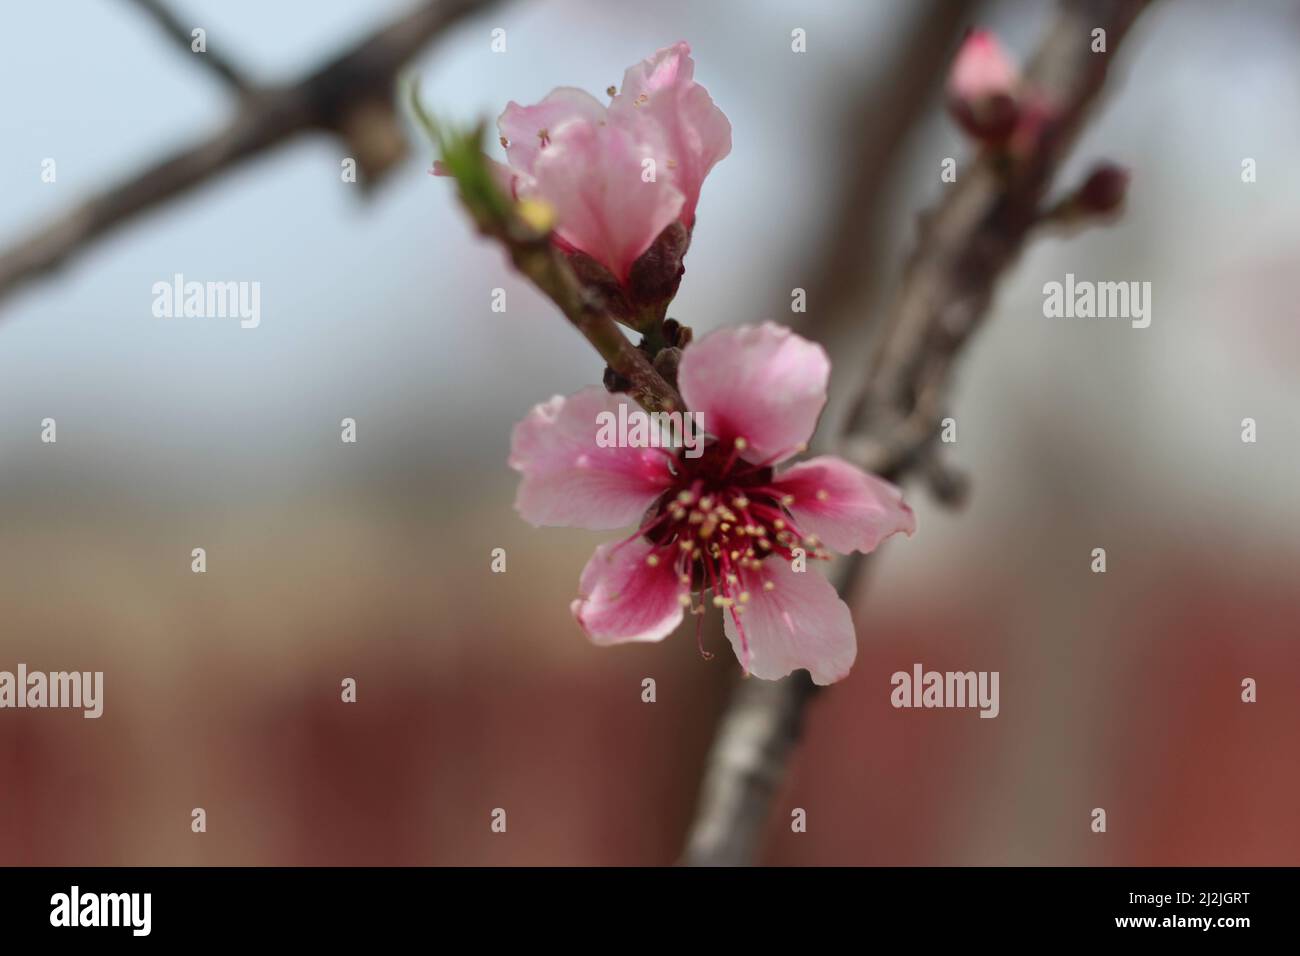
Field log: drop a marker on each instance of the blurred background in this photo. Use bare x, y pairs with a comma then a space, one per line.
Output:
476, 690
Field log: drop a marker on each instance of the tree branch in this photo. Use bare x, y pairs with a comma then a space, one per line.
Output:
351, 96
969, 241
964, 246
171, 25
880, 121
545, 266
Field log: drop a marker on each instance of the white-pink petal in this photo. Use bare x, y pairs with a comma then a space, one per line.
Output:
848, 509
800, 624
568, 479
661, 101
593, 176
628, 594
528, 129
761, 383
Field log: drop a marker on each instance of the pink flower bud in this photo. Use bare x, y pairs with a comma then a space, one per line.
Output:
1104, 189
983, 88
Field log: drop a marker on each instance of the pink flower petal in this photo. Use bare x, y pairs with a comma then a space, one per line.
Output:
800, 624
982, 69
592, 175
847, 508
761, 383
626, 598
528, 129
662, 102
570, 481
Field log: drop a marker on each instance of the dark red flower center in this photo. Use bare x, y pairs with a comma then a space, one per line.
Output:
722, 517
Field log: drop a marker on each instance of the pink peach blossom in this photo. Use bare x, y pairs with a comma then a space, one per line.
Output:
728, 521
587, 160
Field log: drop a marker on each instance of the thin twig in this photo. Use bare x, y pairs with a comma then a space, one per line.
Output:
965, 245
351, 96
171, 25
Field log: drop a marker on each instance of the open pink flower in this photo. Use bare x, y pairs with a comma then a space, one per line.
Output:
589, 161
726, 522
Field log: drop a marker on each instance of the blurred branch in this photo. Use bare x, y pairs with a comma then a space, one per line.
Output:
878, 121
167, 21
351, 97
965, 244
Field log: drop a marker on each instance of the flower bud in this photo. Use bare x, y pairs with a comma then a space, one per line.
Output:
983, 87
1104, 189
